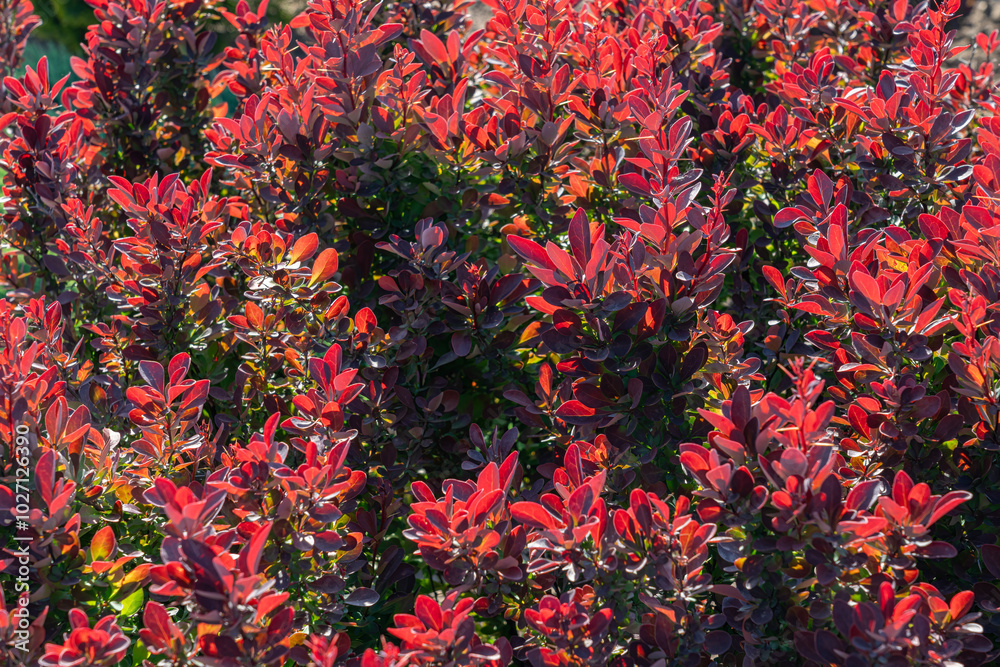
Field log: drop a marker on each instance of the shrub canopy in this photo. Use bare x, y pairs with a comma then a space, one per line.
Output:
628, 332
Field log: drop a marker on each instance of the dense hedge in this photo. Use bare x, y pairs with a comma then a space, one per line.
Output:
632, 332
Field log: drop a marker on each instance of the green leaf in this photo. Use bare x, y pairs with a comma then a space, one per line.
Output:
139, 653
132, 603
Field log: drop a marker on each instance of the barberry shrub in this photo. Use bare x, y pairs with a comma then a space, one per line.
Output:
613, 332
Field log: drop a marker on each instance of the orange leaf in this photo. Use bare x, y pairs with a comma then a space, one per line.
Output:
103, 546
325, 266
304, 248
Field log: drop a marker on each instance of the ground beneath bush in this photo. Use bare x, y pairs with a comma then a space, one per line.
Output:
981, 16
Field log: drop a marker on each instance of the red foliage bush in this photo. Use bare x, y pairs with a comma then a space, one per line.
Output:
633, 333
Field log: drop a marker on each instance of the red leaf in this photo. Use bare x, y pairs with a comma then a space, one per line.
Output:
820, 188
152, 373
123, 199
429, 612
902, 484
269, 603
947, 503
774, 277
388, 32
574, 408
866, 286
579, 237
575, 412
178, 367
787, 216
249, 559
434, 46
365, 321
45, 474
859, 420
158, 622
580, 501
863, 495
532, 514
932, 227
530, 251
960, 604
635, 183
